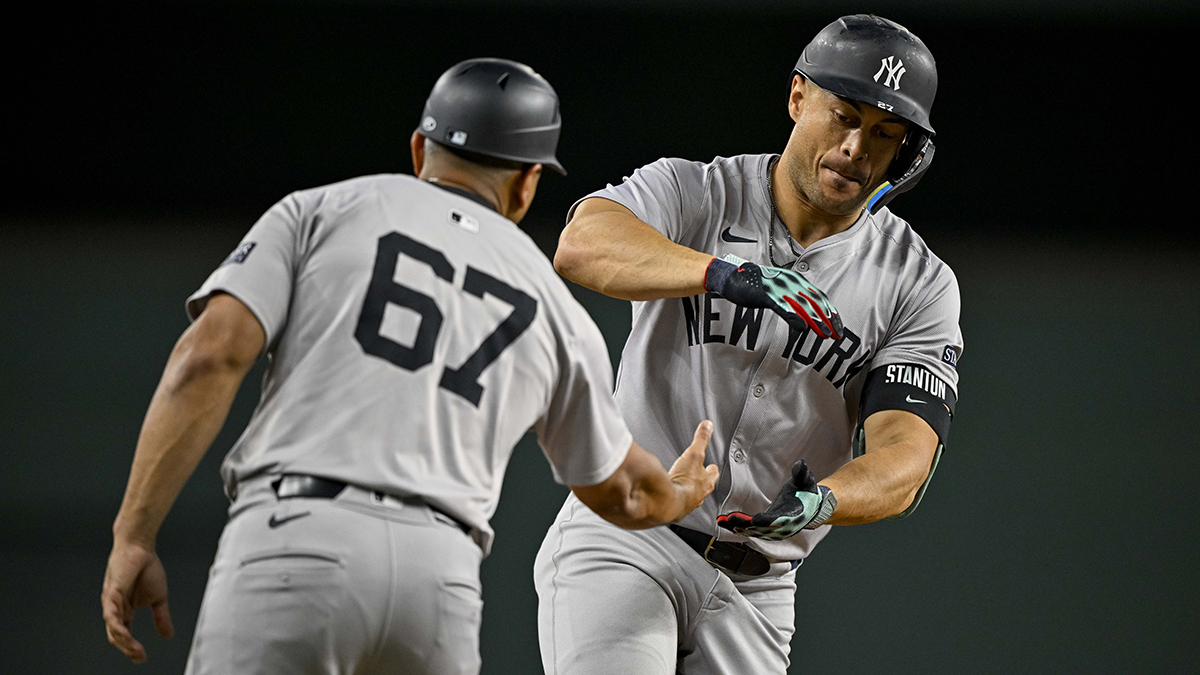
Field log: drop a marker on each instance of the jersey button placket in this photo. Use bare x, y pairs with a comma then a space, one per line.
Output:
802, 266
741, 480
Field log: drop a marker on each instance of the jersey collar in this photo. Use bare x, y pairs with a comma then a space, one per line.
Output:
464, 193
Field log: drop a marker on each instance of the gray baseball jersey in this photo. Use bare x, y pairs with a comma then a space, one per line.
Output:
414, 336
776, 395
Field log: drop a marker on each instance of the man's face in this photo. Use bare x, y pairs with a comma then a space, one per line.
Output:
840, 149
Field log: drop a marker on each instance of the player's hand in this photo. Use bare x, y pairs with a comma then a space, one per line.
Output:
135, 578
694, 481
785, 292
801, 505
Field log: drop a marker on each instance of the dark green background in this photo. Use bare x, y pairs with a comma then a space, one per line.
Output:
1059, 533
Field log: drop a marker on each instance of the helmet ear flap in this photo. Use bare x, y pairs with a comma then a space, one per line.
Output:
914, 158
907, 153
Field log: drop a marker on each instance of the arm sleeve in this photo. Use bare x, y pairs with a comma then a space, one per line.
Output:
260, 272
582, 433
666, 195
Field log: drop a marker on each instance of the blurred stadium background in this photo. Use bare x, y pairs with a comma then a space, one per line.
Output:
1060, 533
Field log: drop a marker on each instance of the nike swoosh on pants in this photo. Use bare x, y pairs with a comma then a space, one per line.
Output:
276, 522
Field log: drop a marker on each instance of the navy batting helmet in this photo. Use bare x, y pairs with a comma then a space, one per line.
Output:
881, 63
495, 108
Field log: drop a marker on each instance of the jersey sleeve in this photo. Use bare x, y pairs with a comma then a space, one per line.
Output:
582, 432
260, 271
926, 332
666, 195
916, 367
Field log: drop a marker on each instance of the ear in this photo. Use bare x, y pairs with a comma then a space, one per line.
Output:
417, 143
797, 96
523, 190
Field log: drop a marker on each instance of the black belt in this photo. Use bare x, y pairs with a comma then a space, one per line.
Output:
732, 556
299, 485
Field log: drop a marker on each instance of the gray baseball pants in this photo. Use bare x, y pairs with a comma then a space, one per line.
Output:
354, 584
642, 601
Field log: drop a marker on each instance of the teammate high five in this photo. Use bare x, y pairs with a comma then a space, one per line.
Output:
415, 334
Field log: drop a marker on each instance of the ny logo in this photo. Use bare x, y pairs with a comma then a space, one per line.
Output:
893, 72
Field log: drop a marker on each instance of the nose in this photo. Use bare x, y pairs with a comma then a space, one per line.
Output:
854, 146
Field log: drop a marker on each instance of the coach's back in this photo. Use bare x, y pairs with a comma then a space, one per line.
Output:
415, 334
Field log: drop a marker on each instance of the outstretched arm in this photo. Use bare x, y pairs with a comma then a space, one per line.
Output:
199, 382
607, 249
642, 494
900, 447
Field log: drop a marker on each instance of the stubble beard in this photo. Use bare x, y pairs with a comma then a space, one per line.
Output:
808, 186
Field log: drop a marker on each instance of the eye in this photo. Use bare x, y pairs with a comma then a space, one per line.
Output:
889, 134
840, 117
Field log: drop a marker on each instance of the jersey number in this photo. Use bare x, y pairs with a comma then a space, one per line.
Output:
384, 290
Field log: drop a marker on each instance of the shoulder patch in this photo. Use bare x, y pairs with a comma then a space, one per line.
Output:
950, 355
239, 256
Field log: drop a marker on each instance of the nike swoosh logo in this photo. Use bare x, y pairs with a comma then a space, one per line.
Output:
913, 400
726, 235
276, 522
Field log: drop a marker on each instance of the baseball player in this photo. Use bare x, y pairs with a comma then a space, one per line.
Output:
821, 416
414, 335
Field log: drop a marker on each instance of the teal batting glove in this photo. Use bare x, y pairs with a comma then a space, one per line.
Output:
785, 292
801, 505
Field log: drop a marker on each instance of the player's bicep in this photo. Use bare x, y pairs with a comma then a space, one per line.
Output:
602, 207
891, 428
666, 195
598, 227
228, 332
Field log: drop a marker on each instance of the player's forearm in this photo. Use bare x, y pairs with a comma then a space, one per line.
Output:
640, 494
654, 499
879, 484
618, 255
184, 417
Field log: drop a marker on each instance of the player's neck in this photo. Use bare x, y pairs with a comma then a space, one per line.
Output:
806, 223
462, 182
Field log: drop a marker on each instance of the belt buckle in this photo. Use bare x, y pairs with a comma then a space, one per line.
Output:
735, 568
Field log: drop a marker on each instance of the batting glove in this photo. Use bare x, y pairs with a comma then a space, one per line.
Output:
785, 292
801, 505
